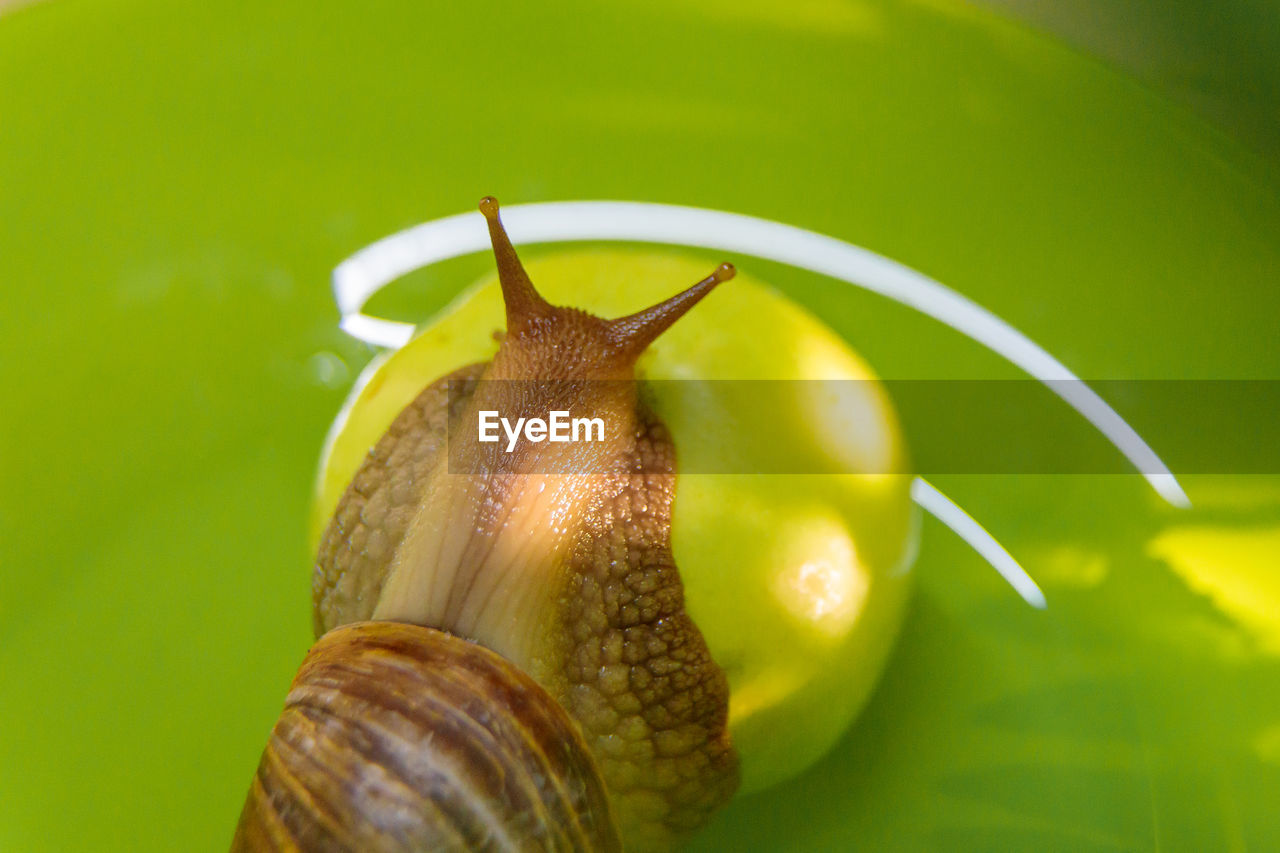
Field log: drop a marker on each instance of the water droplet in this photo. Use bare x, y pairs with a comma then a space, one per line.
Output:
327, 369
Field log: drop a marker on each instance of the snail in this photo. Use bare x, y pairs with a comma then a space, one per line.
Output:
797, 583
505, 659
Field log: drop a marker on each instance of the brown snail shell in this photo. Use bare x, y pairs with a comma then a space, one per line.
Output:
398, 737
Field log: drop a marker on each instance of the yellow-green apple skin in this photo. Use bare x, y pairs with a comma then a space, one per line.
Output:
798, 581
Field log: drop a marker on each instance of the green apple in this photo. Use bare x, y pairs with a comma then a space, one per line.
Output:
797, 581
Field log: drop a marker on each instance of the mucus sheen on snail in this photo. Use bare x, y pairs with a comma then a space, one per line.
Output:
505, 660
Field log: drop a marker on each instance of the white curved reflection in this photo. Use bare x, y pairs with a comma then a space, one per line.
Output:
357, 278
963, 525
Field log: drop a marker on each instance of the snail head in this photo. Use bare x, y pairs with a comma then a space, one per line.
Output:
557, 342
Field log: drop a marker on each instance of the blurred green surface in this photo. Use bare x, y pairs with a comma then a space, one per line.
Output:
176, 183
1217, 56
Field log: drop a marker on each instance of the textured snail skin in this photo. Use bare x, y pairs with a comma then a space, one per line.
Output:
396, 737
568, 576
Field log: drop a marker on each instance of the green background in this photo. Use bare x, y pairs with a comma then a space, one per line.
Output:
177, 181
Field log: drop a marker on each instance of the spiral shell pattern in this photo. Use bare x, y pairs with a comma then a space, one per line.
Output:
399, 737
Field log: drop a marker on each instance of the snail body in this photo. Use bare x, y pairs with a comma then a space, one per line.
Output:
569, 578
